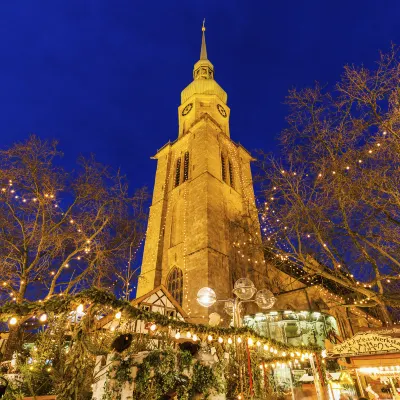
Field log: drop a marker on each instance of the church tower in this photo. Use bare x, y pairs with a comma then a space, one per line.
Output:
203, 202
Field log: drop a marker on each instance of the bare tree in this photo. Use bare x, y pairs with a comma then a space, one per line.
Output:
61, 231
332, 202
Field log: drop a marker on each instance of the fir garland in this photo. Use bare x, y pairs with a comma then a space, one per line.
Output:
97, 297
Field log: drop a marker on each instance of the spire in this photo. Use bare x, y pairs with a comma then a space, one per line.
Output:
203, 69
203, 51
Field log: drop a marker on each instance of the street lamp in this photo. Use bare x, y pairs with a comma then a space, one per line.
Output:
244, 291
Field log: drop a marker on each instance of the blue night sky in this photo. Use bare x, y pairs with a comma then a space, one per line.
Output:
105, 76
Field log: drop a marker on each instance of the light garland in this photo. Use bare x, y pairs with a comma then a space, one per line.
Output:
156, 321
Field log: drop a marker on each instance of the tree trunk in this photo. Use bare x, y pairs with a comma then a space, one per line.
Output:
14, 341
386, 318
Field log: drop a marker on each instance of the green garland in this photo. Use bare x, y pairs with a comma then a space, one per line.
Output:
94, 296
161, 372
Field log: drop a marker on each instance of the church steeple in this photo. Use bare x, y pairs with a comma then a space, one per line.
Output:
203, 69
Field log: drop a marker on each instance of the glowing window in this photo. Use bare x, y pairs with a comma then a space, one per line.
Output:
175, 284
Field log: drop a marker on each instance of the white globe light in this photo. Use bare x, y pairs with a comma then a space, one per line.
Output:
228, 307
214, 319
244, 289
13, 321
265, 299
206, 297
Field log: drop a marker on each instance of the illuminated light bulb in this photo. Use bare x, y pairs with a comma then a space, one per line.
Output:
258, 343
271, 350
347, 167
195, 337
250, 341
118, 315
43, 318
188, 335
153, 327
291, 354
220, 340
79, 309
209, 337
229, 341
265, 347
360, 161
177, 335
239, 340
283, 354
71, 221
261, 367
13, 321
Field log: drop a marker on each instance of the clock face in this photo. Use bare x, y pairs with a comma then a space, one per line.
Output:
187, 109
221, 110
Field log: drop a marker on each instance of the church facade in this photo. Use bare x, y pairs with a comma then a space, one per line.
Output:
203, 193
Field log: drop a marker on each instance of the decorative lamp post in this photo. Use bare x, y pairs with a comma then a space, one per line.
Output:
244, 291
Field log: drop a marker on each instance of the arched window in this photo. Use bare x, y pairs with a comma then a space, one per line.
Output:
186, 167
178, 172
175, 284
223, 169
231, 173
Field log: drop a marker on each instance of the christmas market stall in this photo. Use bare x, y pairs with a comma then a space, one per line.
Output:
103, 348
372, 358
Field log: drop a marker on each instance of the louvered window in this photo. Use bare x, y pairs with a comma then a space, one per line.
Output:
178, 172
223, 168
186, 167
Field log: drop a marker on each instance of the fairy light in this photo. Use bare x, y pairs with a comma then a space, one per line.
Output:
79, 309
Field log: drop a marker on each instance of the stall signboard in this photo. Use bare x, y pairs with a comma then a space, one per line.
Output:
364, 343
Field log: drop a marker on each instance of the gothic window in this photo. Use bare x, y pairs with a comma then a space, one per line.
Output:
223, 169
175, 284
231, 173
186, 167
178, 172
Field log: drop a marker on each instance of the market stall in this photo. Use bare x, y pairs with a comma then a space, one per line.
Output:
372, 359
